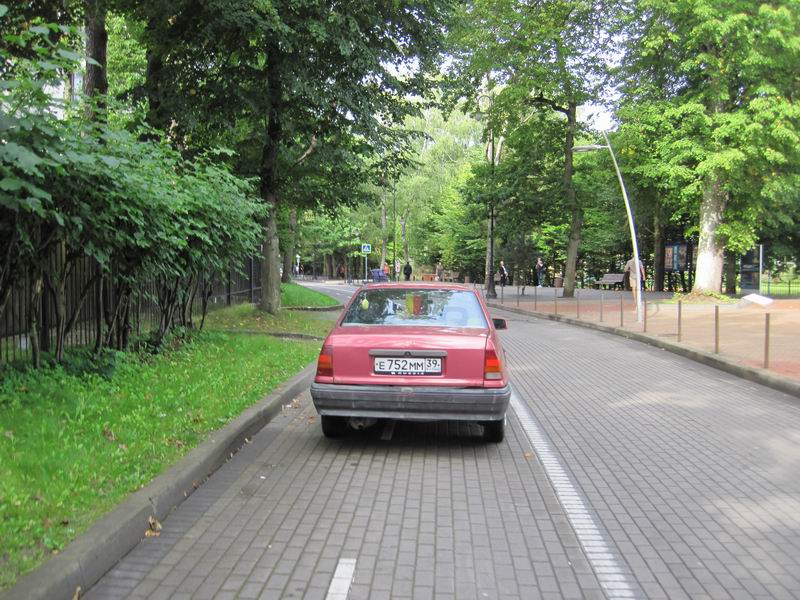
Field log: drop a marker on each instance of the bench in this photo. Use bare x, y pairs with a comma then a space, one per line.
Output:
450, 276
610, 280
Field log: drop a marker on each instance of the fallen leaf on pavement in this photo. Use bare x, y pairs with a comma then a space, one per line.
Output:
154, 527
528, 455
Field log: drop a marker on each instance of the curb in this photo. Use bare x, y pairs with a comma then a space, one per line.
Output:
316, 308
771, 380
282, 336
87, 558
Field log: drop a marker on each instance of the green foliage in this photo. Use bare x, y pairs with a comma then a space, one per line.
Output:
97, 190
709, 95
72, 447
459, 230
127, 60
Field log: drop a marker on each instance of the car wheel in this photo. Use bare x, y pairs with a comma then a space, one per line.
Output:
494, 431
333, 426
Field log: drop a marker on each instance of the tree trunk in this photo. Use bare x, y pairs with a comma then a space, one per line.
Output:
99, 308
405, 242
154, 87
488, 253
34, 310
95, 82
708, 276
570, 201
658, 246
270, 274
730, 272
384, 233
288, 255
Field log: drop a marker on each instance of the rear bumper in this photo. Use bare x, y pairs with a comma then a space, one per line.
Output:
413, 403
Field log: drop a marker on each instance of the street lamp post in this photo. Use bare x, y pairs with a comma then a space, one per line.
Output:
631, 223
394, 230
490, 291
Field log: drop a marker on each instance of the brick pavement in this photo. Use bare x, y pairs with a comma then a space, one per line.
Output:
741, 330
692, 476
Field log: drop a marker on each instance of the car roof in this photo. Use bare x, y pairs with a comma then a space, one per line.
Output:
416, 285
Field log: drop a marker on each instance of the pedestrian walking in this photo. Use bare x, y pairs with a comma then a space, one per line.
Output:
540, 272
386, 269
407, 271
439, 271
503, 274
636, 280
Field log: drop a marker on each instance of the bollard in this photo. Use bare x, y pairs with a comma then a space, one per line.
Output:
535, 299
517, 295
644, 308
766, 341
716, 329
679, 320
502, 288
602, 299
620, 308
578, 304
555, 299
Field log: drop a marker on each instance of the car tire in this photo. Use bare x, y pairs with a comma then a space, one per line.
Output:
494, 431
333, 426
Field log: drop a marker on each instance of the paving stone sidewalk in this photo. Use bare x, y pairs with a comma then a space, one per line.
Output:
741, 333
691, 475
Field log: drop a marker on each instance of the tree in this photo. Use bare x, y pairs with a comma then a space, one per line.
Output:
730, 125
287, 73
549, 56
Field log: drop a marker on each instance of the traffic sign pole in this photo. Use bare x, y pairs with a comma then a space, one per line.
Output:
365, 250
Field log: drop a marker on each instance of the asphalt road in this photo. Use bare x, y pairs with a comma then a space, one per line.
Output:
627, 472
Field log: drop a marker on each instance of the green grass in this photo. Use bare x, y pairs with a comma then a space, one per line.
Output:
700, 298
72, 447
296, 295
249, 317
781, 288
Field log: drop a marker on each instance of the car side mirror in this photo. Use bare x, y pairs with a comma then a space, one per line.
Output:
500, 323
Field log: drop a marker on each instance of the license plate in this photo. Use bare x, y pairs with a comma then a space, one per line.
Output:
408, 366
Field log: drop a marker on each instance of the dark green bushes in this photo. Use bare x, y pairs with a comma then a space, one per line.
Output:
74, 190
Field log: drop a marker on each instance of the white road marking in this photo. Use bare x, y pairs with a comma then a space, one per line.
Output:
604, 561
388, 430
342, 578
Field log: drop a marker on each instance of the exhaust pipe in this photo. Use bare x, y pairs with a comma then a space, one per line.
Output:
359, 423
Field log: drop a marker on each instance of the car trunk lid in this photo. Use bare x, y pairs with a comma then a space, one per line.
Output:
460, 350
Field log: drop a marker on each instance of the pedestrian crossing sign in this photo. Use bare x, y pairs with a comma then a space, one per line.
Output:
366, 248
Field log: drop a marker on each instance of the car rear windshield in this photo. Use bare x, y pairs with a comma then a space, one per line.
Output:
404, 306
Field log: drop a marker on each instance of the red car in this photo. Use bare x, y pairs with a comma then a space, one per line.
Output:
415, 352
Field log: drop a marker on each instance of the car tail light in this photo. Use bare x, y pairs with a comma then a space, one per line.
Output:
325, 362
492, 369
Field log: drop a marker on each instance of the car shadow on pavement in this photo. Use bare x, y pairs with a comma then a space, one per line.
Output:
413, 434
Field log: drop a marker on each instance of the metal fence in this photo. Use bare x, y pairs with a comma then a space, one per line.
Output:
81, 293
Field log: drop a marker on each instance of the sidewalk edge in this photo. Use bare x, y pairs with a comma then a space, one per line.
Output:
316, 308
87, 558
771, 380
